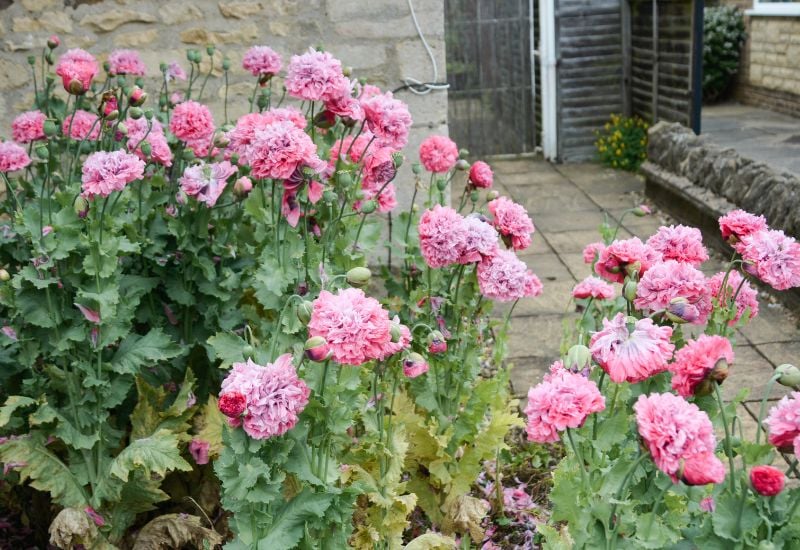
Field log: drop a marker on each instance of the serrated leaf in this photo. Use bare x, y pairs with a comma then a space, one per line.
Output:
47, 473
431, 541
157, 454
13, 403
288, 522
176, 531
137, 351
729, 521
208, 426
227, 348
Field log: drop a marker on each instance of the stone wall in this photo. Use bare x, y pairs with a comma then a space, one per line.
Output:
769, 74
721, 176
377, 38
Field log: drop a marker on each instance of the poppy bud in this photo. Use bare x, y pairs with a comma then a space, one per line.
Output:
641, 211
232, 404
359, 276
462, 165
50, 128
248, 351
316, 349
416, 168
629, 290
463, 153
474, 196
491, 195
441, 184
210, 49
42, 152
414, 365
344, 179
81, 206
188, 155
397, 159
304, 311
31, 60
329, 196
368, 207
242, 187
436, 342
137, 97
75, 87
146, 148
4, 276
789, 375
149, 114
53, 42
395, 333
135, 113
226, 64
578, 358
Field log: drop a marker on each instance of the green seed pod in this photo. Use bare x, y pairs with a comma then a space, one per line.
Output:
441, 184
163, 67
345, 179
462, 165
81, 206
135, 113
579, 357
42, 152
463, 153
188, 155
395, 333
629, 290
368, 207
50, 128
248, 351
329, 196
416, 168
226, 64
146, 148
210, 49
31, 60
48, 57
304, 311
122, 129
359, 276
491, 195
474, 195
149, 114
398, 159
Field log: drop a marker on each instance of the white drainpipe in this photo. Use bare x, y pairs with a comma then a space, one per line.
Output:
547, 46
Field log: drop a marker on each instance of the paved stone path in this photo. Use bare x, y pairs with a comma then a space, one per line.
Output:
757, 134
567, 204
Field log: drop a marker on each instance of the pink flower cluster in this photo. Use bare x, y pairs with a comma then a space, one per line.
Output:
313, 76
632, 350
274, 396
783, 424
669, 282
191, 122
512, 222
680, 438
623, 256
138, 134
738, 224
28, 127
356, 328
504, 277
593, 287
441, 236
388, 119
773, 257
84, 125
206, 182
697, 360
767, 481
104, 172
563, 400
126, 62
679, 243
12, 157
480, 175
438, 154
279, 149
262, 61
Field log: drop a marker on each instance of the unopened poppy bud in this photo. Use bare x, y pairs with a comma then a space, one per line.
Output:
122, 128
31, 60
226, 64
641, 211
441, 184
304, 311
789, 375
262, 101
395, 333
462, 165
474, 195
324, 119
248, 351
416, 168
436, 342
359, 194
221, 140
210, 49
578, 358
50, 128
368, 207
720, 371
415, 208
243, 186
146, 148
358, 276
633, 268
42, 152
397, 159
75, 87
181, 197
463, 153
188, 154
491, 195
316, 348
414, 365
163, 67
235, 158
629, 290
53, 42
329, 196
137, 97
111, 115
344, 179
681, 311
81, 206
232, 404
4, 275
135, 113
49, 79
149, 114
347, 71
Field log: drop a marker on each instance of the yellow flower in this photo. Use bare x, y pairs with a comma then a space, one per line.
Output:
619, 152
607, 126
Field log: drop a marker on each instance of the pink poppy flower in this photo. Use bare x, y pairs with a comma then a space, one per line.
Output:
414, 365
631, 354
480, 175
355, 326
388, 119
504, 277
680, 438
341, 101
191, 121
91, 315
669, 282
783, 423
591, 252
773, 257
623, 256
77, 68
738, 224
126, 62
28, 127
767, 481
206, 182
313, 76
138, 134
593, 287
512, 222
746, 300
697, 361
480, 240
262, 61
438, 154
104, 172
563, 400
84, 125
274, 394
198, 448
442, 236
175, 72
279, 149
679, 243
12, 157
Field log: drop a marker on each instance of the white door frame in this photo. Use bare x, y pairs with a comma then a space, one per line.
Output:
547, 63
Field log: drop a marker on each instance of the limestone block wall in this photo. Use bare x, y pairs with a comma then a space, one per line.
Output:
377, 38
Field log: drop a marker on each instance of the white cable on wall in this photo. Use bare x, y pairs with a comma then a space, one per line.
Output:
417, 86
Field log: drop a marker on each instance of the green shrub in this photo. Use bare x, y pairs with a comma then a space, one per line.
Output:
723, 37
622, 143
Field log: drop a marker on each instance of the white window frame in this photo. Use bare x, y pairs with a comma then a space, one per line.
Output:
765, 7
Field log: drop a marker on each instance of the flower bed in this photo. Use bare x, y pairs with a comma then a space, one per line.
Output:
193, 349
